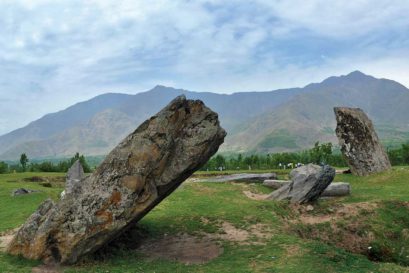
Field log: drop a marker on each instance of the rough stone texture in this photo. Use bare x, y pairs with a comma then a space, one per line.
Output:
140, 172
359, 142
308, 183
334, 189
73, 177
246, 177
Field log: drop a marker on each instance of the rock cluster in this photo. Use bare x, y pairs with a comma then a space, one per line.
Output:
140, 172
307, 184
334, 189
359, 142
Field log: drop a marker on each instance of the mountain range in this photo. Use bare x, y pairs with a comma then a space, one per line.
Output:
271, 121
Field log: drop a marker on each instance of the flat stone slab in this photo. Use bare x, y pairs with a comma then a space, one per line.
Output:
241, 177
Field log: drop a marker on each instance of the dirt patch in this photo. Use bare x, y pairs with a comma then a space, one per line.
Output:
34, 179
231, 233
292, 250
346, 225
47, 269
182, 248
255, 234
255, 196
331, 214
5, 238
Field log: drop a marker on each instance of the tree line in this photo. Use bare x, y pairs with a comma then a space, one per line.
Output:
320, 154
44, 166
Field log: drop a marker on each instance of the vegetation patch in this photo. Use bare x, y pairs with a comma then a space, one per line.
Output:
280, 139
376, 230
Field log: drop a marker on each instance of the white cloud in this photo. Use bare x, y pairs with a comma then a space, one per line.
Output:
56, 53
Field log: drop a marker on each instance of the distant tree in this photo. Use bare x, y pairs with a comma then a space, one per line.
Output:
4, 167
220, 161
405, 153
321, 153
23, 161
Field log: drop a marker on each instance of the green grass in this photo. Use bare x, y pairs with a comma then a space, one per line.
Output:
184, 210
15, 210
391, 185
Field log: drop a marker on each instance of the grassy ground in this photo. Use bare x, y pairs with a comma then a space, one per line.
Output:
289, 242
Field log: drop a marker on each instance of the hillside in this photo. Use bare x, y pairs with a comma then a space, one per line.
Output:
309, 117
280, 120
93, 127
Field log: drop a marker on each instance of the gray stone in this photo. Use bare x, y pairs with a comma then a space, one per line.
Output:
73, 178
359, 142
22, 191
308, 183
334, 189
240, 177
139, 173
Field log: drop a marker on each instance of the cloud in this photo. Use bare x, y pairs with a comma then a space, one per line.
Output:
55, 53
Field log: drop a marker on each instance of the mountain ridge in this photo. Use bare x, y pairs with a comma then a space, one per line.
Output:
259, 121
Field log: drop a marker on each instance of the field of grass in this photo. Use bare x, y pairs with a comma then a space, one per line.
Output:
376, 215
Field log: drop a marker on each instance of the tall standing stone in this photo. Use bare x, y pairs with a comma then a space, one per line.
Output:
140, 172
359, 142
73, 178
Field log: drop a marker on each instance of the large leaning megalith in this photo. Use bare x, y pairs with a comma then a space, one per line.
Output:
359, 142
140, 172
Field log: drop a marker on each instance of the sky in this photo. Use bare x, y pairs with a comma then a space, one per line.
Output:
56, 53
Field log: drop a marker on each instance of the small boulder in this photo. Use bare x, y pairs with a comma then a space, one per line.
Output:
22, 191
307, 185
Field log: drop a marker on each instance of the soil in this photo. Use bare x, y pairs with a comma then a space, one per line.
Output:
183, 248
255, 196
204, 247
47, 269
5, 238
349, 237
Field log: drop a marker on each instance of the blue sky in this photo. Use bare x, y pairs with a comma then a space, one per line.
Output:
56, 53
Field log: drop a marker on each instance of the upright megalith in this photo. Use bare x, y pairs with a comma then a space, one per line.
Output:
307, 184
73, 178
359, 142
141, 171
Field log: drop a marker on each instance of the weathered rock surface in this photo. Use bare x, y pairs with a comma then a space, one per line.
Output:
140, 172
359, 142
308, 183
334, 189
240, 177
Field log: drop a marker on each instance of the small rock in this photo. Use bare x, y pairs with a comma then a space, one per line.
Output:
309, 208
22, 191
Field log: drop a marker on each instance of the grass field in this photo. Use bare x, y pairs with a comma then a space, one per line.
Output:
365, 232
